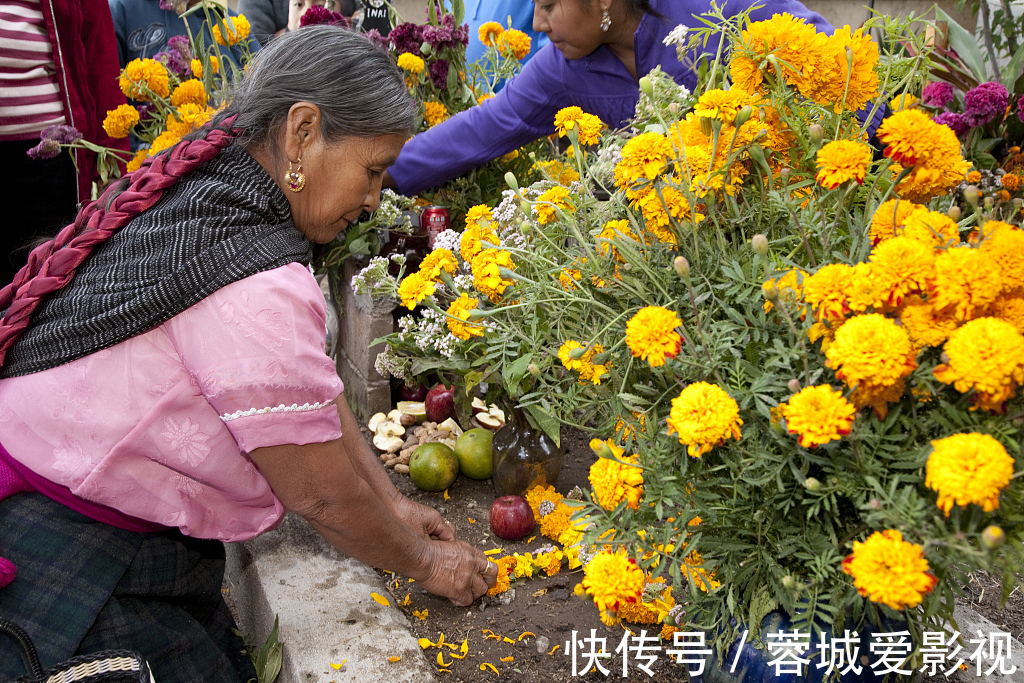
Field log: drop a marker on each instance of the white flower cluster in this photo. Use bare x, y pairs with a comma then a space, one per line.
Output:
390, 208
390, 363
464, 281
374, 278
666, 93
545, 508
450, 240
429, 332
603, 170
507, 212
677, 36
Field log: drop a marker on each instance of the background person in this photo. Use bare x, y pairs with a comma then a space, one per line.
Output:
172, 391
479, 12
598, 51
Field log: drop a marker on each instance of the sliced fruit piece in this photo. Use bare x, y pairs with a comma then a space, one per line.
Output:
450, 425
415, 408
376, 420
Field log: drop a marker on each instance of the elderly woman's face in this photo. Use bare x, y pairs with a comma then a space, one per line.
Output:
343, 179
296, 8
571, 26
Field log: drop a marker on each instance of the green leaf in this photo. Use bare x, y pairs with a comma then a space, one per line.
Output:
547, 422
1012, 70
985, 160
965, 45
459, 10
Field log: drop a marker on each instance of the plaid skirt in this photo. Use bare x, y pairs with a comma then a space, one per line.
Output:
84, 586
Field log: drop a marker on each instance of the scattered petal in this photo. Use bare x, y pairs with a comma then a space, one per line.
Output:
508, 659
447, 671
492, 551
408, 599
539, 593
509, 641
440, 659
411, 580
337, 667
394, 658
425, 643
446, 496
488, 634
485, 666
420, 614
530, 539
463, 650
471, 520
380, 599
526, 634
553, 649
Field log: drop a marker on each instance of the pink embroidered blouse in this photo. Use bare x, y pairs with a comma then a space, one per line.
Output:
158, 426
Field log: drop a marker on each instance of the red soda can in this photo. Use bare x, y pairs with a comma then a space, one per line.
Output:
435, 220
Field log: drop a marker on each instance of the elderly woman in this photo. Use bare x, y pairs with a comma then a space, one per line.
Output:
598, 51
164, 385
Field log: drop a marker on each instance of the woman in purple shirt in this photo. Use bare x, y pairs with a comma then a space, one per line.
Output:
598, 51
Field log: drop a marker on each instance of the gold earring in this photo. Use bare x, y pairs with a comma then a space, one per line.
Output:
606, 21
295, 179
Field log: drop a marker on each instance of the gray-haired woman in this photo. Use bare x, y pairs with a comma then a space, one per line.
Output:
164, 385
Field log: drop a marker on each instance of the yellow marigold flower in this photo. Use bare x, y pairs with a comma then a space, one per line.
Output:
704, 416
658, 220
904, 101
189, 92
165, 140
932, 228
974, 177
548, 200
933, 150
557, 171
842, 160
569, 277
514, 43
483, 98
439, 260
487, 272
506, 566
537, 494
588, 127
889, 570
643, 158
790, 287
651, 335
588, 371
409, 62
871, 349
119, 122
901, 266
722, 105
197, 66
187, 118
614, 482
793, 41
555, 522
458, 320
1004, 243
1011, 181
137, 160
966, 469
864, 290
693, 566
415, 288
986, 355
477, 231
826, 290
925, 325
818, 414
489, 32
966, 279
1010, 308
237, 29
143, 76
434, 113
863, 79
703, 181
480, 212
613, 579
889, 216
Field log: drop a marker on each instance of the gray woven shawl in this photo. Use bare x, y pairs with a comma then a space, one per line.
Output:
224, 222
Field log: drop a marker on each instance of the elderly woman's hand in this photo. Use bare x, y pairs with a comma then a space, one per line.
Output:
459, 572
423, 519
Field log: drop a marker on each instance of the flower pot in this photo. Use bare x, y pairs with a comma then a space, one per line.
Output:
522, 457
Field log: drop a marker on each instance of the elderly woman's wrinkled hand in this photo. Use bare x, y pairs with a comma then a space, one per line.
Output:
459, 572
424, 520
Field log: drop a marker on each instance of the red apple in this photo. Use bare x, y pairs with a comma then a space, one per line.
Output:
412, 392
511, 518
439, 403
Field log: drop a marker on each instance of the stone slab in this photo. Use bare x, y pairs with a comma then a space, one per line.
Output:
969, 623
326, 614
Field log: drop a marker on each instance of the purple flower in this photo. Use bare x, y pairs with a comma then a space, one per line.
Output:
985, 102
958, 122
374, 36
62, 135
937, 94
407, 37
439, 74
176, 6
46, 149
317, 15
1020, 109
182, 46
447, 35
174, 63
146, 110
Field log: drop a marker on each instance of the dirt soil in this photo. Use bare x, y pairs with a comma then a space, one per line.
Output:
546, 606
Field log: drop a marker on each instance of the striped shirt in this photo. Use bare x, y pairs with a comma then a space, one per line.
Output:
30, 98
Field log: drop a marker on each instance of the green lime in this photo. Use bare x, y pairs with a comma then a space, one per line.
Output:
433, 467
473, 449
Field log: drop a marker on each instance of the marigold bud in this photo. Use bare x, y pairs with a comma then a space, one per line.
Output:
817, 133
534, 370
510, 179
793, 385
788, 581
760, 244
784, 174
682, 267
875, 504
674, 108
602, 449
954, 212
647, 86
601, 358
812, 484
742, 116
577, 353
989, 202
971, 195
770, 291
705, 127
993, 536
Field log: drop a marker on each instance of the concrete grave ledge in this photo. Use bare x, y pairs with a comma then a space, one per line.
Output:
326, 613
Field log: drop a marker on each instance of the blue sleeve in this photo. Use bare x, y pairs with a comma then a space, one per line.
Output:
117, 13
523, 111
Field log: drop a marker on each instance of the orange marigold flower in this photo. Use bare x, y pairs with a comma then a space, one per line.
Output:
842, 160
651, 335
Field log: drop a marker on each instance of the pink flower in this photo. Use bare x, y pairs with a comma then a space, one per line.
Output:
937, 94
